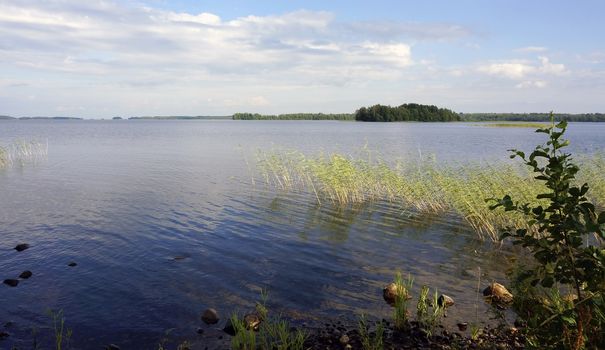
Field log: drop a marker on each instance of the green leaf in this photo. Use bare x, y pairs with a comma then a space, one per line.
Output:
602, 218
569, 320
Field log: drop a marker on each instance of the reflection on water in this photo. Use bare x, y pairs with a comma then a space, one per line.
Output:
163, 221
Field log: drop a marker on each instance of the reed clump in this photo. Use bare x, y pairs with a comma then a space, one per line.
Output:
21, 152
423, 186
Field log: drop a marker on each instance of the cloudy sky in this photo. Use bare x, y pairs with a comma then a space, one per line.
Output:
107, 58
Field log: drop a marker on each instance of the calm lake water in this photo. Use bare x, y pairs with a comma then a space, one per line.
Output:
164, 221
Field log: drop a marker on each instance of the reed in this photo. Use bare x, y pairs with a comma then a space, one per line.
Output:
21, 152
423, 187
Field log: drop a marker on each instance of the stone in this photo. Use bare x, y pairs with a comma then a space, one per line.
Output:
112, 347
462, 326
252, 321
21, 247
497, 293
11, 282
72, 264
445, 301
391, 291
344, 339
4, 334
229, 329
200, 331
25, 274
210, 316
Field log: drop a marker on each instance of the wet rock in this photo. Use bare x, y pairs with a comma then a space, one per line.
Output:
344, 339
570, 298
72, 264
229, 329
252, 321
200, 331
445, 301
210, 316
462, 326
11, 282
497, 293
112, 347
25, 274
4, 334
391, 291
21, 247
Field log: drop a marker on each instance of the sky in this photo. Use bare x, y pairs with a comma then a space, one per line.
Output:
100, 59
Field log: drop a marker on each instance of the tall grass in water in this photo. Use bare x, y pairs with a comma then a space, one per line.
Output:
421, 186
20, 152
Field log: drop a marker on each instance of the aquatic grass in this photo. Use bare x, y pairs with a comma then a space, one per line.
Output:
423, 186
273, 333
369, 341
62, 334
400, 310
21, 152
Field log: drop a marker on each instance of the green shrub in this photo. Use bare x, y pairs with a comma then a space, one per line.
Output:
567, 249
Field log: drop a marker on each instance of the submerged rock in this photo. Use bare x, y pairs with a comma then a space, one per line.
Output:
462, 326
112, 347
11, 282
445, 301
229, 329
391, 291
497, 293
252, 321
210, 316
4, 334
25, 274
21, 247
72, 264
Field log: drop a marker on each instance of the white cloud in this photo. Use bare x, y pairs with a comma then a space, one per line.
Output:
512, 70
521, 69
531, 49
531, 84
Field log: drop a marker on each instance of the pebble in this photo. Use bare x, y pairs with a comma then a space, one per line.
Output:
200, 331
344, 339
112, 347
21, 247
462, 326
11, 282
210, 316
252, 321
25, 274
445, 301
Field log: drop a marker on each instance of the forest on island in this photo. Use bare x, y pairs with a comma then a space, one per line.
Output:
406, 112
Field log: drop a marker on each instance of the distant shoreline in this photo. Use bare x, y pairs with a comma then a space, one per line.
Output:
464, 117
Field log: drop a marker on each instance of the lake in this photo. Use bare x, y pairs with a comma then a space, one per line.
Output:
167, 218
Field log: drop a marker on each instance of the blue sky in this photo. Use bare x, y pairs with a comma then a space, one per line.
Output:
100, 59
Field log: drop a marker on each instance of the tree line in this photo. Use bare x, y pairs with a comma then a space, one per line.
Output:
294, 116
406, 112
532, 117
